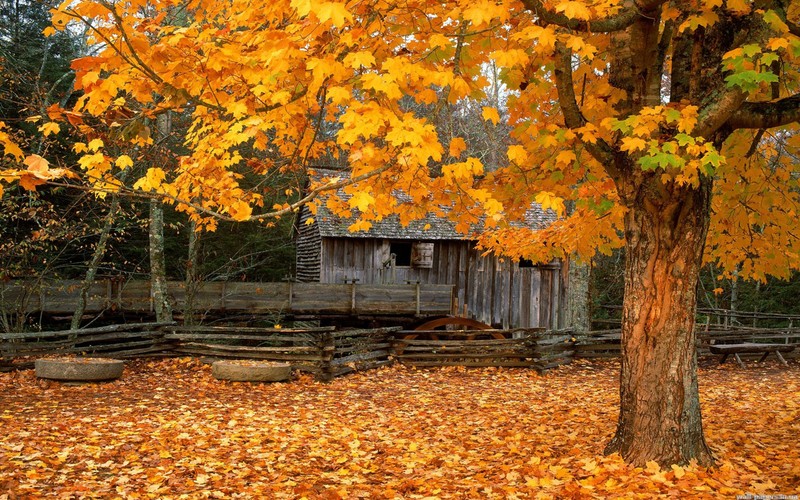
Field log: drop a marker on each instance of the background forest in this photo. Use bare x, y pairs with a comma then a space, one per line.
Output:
64, 232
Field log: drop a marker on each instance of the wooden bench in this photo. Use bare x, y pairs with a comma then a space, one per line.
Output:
751, 348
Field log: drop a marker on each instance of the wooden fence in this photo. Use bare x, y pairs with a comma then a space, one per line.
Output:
325, 352
527, 347
606, 343
322, 351
61, 297
709, 319
130, 340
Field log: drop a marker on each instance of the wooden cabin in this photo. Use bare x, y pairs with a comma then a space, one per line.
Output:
495, 291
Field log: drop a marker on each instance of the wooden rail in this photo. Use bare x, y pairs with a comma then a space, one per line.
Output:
524, 347
321, 351
606, 343
324, 352
61, 297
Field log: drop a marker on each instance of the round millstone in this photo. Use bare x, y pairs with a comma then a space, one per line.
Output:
79, 369
251, 371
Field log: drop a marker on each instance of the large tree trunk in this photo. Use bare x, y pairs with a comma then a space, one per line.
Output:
659, 403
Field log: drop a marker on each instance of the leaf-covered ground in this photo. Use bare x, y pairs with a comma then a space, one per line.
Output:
168, 429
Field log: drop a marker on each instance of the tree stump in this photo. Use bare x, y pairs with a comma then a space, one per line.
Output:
79, 369
250, 371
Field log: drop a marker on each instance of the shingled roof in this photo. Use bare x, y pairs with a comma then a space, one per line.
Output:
440, 228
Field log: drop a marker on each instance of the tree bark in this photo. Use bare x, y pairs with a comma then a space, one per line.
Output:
192, 283
659, 403
158, 268
579, 297
97, 257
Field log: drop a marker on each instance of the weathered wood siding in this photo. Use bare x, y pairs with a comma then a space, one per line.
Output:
495, 291
61, 297
308, 247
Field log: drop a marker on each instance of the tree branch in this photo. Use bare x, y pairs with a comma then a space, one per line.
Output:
766, 114
139, 194
716, 114
614, 23
573, 118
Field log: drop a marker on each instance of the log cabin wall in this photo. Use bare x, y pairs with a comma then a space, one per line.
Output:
492, 290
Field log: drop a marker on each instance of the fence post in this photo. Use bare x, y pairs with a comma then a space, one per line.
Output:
327, 351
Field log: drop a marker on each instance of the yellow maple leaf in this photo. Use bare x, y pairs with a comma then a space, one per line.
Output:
50, 128
240, 210
574, 10
38, 166
740, 7
95, 144
457, 146
334, 12
152, 179
360, 225
361, 200
509, 58
89, 78
546, 38
688, 119
549, 201
438, 40
359, 59
124, 162
482, 12
517, 154
633, 144
489, 113
565, 157
493, 208
9, 146
303, 7
237, 109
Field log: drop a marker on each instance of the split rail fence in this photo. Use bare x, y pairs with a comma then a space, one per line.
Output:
324, 351
606, 343
525, 347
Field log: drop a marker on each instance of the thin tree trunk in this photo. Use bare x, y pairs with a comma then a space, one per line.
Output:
94, 263
735, 298
660, 416
158, 268
192, 276
579, 276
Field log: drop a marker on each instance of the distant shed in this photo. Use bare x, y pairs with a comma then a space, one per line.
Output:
496, 291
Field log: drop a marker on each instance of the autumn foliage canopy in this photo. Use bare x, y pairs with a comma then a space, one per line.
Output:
289, 84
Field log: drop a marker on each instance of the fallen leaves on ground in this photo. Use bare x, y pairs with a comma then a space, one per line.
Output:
168, 429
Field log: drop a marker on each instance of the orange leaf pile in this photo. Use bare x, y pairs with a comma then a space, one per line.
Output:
167, 429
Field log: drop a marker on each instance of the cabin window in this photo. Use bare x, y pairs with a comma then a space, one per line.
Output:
402, 253
523, 263
422, 254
